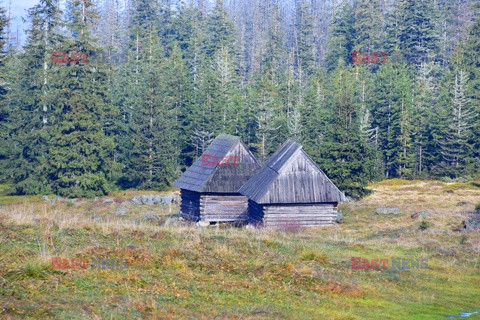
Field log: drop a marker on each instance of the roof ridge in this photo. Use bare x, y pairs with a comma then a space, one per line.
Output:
290, 158
257, 187
199, 176
279, 155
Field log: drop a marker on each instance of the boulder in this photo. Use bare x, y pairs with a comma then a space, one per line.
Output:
463, 203
136, 200
203, 224
424, 214
421, 215
470, 213
387, 211
149, 200
153, 218
170, 198
154, 199
121, 211
471, 224
339, 216
447, 251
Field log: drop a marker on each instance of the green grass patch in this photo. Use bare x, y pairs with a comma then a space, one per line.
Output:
4, 189
458, 186
396, 182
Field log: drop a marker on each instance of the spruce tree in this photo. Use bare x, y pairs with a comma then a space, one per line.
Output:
426, 125
266, 102
35, 112
315, 112
3, 54
81, 150
340, 42
130, 89
275, 56
456, 148
303, 41
344, 154
415, 31
369, 26
178, 101
219, 31
215, 77
392, 114
4, 112
469, 61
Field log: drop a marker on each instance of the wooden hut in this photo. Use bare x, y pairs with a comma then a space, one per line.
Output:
290, 190
209, 188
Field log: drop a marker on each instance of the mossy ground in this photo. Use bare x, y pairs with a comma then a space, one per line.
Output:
222, 272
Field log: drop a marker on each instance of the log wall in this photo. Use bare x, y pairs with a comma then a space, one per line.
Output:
224, 208
190, 205
290, 216
255, 213
213, 207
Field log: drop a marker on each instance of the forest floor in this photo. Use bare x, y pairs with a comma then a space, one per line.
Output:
177, 270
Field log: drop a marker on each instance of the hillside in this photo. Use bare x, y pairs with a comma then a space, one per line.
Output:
179, 270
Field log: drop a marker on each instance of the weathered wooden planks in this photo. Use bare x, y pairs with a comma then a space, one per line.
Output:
211, 177
289, 189
213, 207
290, 176
222, 208
287, 216
190, 205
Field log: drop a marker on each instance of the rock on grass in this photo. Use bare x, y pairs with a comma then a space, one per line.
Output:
387, 211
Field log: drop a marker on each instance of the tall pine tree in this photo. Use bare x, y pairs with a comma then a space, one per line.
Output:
35, 111
81, 150
345, 155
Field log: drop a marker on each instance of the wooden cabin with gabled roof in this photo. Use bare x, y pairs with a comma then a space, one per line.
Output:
209, 188
291, 190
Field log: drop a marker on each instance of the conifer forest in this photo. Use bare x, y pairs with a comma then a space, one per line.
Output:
104, 95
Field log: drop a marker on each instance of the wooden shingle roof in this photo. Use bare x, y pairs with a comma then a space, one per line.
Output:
289, 176
216, 178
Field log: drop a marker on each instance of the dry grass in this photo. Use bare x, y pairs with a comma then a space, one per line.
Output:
181, 271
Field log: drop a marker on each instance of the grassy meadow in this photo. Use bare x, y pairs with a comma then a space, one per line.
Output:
177, 270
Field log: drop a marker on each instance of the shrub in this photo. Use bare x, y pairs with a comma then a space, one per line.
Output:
477, 207
35, 270
424, 225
